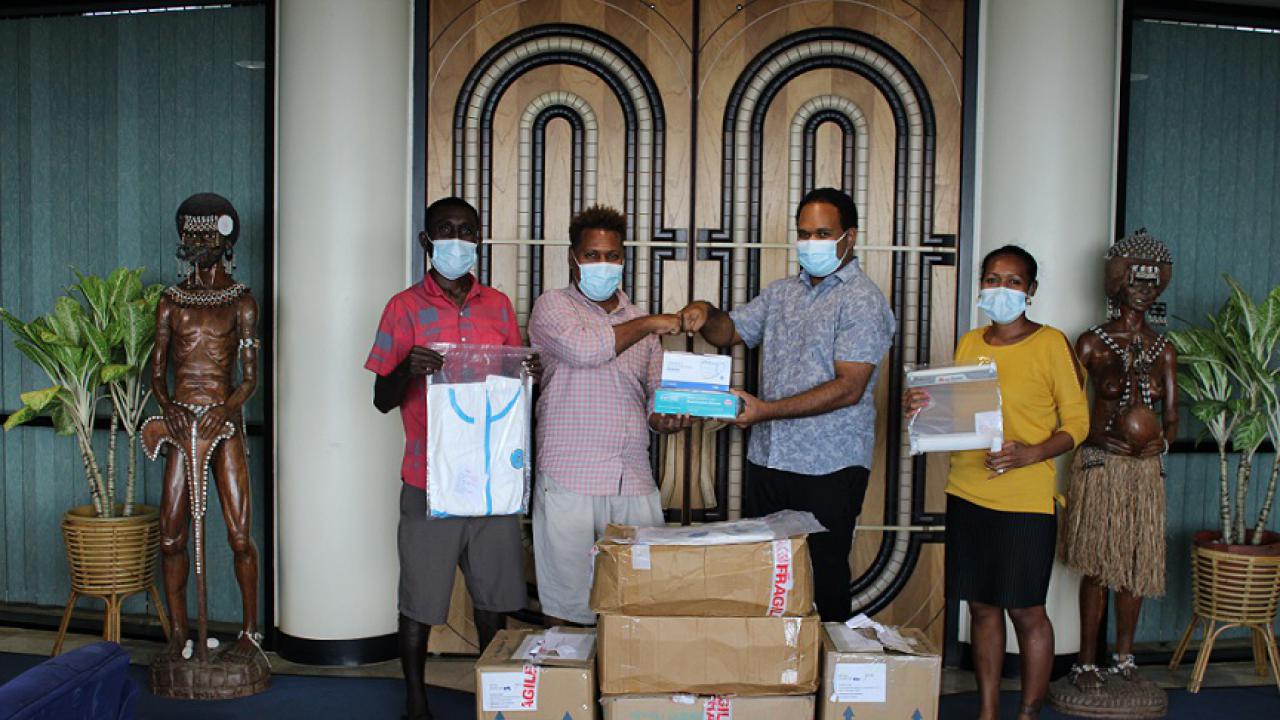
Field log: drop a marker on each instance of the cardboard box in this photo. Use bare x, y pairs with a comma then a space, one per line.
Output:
707, 707
878, 684
696, 371
744, 580
512, 684
708, 655
695, 403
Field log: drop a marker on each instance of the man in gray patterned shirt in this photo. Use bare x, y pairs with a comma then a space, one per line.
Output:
824, 333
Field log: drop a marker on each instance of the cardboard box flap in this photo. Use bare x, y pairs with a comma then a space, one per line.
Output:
862, 634
564, 647
557, 645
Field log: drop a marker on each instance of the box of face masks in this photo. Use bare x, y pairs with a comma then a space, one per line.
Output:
696, 403
696, 385
694, 371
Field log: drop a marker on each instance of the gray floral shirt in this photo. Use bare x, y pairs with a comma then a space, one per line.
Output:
806, 329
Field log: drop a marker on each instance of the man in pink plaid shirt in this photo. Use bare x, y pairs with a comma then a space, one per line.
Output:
602, 361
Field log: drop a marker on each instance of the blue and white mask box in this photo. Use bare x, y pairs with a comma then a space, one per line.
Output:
694, 371
695, 403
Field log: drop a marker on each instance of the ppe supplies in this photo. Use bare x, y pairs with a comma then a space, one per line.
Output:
696, 385
453, 258
1001, 304
963, 411
479, 420
599, 280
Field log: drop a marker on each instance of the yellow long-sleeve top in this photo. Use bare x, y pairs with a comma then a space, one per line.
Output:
1042, 392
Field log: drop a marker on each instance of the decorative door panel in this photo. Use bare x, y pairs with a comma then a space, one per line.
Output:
538, 109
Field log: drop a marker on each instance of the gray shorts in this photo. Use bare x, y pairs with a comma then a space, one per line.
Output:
489, 549
566, 526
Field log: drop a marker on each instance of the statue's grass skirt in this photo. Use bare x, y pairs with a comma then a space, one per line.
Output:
1114, 526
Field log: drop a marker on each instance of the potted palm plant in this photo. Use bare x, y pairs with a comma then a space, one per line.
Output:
1229, 370
95, 346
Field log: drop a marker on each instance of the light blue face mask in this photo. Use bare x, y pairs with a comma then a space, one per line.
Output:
818, 257
1002, 304
453, 258
599, 280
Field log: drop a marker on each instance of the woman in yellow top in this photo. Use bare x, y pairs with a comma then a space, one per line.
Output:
1001, 526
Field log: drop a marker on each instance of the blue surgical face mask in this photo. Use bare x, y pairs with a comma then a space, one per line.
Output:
599, 280
453, 258
818, 257
1002, 304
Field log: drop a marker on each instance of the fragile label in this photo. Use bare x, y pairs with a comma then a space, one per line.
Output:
860, 682
510, 691
640, 559
782, 581
717, 707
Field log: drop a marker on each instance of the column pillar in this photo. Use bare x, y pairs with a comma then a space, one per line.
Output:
342, 244
1046, 158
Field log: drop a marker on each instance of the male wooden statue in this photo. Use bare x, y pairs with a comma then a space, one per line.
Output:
203, 325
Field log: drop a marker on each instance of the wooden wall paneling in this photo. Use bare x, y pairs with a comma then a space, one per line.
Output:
614, 78
906, 185
902, 188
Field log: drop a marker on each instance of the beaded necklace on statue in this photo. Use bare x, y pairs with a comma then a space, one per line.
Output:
1139, 359
205, 298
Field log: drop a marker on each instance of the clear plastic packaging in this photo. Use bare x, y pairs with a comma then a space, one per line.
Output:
778, 526
963, 413
479, 425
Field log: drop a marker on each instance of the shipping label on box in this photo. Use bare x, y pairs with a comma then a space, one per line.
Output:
695, 403
696, 371
538, 676
771, 578
709, 655
701, 707
864, 680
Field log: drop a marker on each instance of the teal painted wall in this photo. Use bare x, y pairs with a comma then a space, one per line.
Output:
106, 125
1204, 176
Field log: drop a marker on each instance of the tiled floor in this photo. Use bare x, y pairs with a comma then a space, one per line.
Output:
457, 673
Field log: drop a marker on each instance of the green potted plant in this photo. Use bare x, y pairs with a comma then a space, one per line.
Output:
1228, 369
95, 346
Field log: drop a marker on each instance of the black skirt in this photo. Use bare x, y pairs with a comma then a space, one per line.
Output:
998, 558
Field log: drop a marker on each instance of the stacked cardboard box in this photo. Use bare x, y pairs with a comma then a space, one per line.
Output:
685, 626
542, 675
878, 673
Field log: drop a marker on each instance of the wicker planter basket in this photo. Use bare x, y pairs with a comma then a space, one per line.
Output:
1233, 587
111, 558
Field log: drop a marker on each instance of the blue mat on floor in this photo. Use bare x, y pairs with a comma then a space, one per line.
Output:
291, 697
1243, 703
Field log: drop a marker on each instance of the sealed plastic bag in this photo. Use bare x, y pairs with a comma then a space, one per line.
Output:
963, 411
778, 526
479, 422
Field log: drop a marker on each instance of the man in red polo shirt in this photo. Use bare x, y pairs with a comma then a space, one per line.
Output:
449, 305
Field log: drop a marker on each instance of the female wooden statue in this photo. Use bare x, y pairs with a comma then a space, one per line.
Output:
1115, 509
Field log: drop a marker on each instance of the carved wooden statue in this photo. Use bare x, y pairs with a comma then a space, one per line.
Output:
204, 325
1114, 532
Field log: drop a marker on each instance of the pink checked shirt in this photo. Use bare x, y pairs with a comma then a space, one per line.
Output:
424, 314
593, 414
